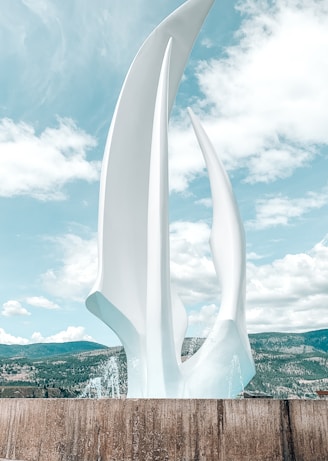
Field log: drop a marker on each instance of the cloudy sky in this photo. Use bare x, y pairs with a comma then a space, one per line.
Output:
257, 78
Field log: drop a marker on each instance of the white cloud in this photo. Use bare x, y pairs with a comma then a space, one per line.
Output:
206, 202
276, 163
41, 301
70, 334
290, 294
185, 158
203, 319
6, 338
192, 269
267, 99
208, 43
281, 210
252, 255
41, 165
13, 308
191, 265
77, 271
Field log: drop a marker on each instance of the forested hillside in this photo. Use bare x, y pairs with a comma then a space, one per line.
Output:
288, 366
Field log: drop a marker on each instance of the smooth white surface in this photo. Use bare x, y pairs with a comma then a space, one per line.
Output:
224, 364
132, 293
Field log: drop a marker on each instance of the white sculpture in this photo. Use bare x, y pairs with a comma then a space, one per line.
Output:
132, 293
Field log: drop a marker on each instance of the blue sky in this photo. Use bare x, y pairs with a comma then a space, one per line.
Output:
257, 78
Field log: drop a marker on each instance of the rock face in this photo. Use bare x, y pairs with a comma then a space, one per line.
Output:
149, 430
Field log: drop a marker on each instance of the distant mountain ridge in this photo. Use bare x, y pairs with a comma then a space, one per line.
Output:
288, 365
43, 350
275, 341
317, 339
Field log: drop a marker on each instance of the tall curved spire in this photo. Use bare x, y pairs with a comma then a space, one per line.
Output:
125, 172
119, 295
132, 293
227, 343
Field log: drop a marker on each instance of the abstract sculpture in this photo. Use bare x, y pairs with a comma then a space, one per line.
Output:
133, 293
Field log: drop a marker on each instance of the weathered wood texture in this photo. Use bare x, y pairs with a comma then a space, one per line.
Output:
150, 430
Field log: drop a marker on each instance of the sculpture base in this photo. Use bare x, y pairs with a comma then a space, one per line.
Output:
147, 430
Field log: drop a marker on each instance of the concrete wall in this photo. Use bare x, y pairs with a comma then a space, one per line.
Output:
150, 430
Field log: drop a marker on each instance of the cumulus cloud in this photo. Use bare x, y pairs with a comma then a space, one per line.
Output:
290, 293
41, 301
192, 269
207, 43
280, 210
70, 334
206, 202
266, 100
13, 308
252, 255
203, 319
40, 165
77, 270
7, 338
185, 158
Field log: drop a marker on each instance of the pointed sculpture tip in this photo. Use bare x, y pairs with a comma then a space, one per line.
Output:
169, 44
207, 4
210, 2
191, 113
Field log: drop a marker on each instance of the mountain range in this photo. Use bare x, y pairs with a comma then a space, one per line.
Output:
288, 365
40, 350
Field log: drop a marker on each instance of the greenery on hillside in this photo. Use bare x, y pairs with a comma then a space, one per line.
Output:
288, 366
37, 351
